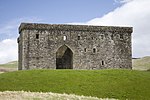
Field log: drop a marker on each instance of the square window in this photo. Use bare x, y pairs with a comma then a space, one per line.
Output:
94, 50
121, 36
37, 36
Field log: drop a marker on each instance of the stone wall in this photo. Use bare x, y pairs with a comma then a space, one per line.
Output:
93, 47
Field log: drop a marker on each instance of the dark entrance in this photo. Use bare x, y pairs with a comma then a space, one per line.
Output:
64, 58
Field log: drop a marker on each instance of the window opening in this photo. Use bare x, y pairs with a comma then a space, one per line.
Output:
84, 49
37, 36
121, 36
102, 62
78, 37
65, 38
94, 50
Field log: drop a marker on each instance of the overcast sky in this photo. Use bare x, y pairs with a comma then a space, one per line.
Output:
132, 13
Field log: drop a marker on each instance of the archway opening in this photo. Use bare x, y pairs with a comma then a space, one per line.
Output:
64, 58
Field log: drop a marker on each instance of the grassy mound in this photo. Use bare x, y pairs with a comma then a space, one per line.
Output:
121, 84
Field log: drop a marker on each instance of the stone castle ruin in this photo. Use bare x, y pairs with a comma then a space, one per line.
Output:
53, 46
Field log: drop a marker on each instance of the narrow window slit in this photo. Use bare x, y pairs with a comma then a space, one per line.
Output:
94, 50
78, 37
84, 49
102, 62
37, 36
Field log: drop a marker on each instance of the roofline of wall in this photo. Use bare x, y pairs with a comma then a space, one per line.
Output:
67, 27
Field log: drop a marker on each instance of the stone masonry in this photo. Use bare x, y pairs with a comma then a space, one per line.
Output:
53, 46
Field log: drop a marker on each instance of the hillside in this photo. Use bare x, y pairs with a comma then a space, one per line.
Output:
141, 64
120, 84
10, 66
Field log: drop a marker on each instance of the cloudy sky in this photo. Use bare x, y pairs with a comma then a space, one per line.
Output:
132, 13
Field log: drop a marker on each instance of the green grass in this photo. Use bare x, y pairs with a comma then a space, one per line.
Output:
120, 84
141, 64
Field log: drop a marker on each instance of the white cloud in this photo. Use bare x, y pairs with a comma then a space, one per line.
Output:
8, 38
133, 13
122, 1
136, 14
8, 50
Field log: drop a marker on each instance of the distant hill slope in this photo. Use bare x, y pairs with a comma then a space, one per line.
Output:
10, 66
141, 64
119, 84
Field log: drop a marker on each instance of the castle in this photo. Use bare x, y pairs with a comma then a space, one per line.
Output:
58, 46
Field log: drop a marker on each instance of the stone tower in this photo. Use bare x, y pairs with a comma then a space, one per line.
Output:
53, 46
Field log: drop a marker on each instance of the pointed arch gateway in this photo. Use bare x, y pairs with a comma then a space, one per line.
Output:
64, 58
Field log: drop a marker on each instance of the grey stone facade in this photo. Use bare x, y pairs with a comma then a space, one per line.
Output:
53, 46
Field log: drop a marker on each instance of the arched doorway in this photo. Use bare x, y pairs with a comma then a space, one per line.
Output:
64, 58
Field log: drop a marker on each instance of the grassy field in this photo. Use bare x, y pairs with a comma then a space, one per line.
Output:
120, 84
142, 63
